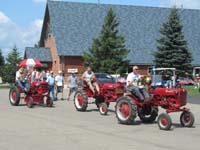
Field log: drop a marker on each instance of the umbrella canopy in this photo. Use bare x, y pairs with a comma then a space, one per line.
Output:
30, 62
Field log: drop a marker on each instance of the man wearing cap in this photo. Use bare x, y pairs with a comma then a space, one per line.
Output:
132, 83
21, 80
51, 84
59, 81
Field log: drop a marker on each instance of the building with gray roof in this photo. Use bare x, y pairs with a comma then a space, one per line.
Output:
69, 29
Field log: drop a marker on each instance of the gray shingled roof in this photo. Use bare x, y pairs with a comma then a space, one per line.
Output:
42, 54
74, 25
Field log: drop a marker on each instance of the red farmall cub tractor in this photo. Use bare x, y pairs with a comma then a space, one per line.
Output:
109, 92
37, 95
165, 94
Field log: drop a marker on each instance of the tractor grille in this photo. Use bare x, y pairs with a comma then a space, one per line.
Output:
182, 96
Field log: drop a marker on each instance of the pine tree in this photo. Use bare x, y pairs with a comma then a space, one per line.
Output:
11, 66
2, 62
108, 51
172, 49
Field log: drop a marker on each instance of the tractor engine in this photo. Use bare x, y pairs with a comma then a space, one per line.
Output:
39, 87
113, 90
175, 97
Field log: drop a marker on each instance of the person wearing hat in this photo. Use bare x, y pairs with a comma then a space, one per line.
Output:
59, 82
132, 82
51, 84
21, 80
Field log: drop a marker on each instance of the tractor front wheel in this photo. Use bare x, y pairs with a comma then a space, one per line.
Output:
80, 100
125, 110
49, 102
29, 101
103, 109
187, 119
164, 121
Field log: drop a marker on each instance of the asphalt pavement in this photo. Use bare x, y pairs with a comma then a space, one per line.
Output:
63, 128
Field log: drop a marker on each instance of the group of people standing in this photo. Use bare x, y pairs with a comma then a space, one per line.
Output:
55, 82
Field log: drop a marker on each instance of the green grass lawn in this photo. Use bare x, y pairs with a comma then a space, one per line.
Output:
192, 91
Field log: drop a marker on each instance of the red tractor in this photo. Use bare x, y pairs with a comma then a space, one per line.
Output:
165, 94
109, 92
37, 95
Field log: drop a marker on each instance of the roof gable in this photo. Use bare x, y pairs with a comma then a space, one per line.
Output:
42, 54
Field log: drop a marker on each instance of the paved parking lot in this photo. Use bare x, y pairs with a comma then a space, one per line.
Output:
62, 127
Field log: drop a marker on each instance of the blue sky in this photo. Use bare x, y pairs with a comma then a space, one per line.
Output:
21, 20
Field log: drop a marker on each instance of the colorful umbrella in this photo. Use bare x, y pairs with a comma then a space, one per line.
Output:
30, 62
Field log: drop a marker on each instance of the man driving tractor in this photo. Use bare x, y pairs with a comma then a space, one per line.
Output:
90, 79
132, 83
21, 80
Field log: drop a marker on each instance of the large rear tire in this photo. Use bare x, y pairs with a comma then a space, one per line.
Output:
14, 96
187, 119
125, 110
147, 113
164, 121
80, 100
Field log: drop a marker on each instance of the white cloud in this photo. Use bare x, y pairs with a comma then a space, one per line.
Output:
191, 4
11, 34
3, 18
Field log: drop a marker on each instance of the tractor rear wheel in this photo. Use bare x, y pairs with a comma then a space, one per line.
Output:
14, 96
125, 110
147, 113
103, 109
164, 121
80, 100
187, 119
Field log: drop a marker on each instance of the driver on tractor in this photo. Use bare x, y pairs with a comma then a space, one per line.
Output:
21, 79
90, 79
133, 84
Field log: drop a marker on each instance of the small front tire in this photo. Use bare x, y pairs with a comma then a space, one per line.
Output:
164, 121
29, 101
187, 119
103, 109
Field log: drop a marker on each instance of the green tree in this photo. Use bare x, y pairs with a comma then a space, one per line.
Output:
108, 51
2, 62
11, 66
172, 49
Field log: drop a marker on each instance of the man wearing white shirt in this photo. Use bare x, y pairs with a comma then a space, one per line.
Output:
59, 80
132, 83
